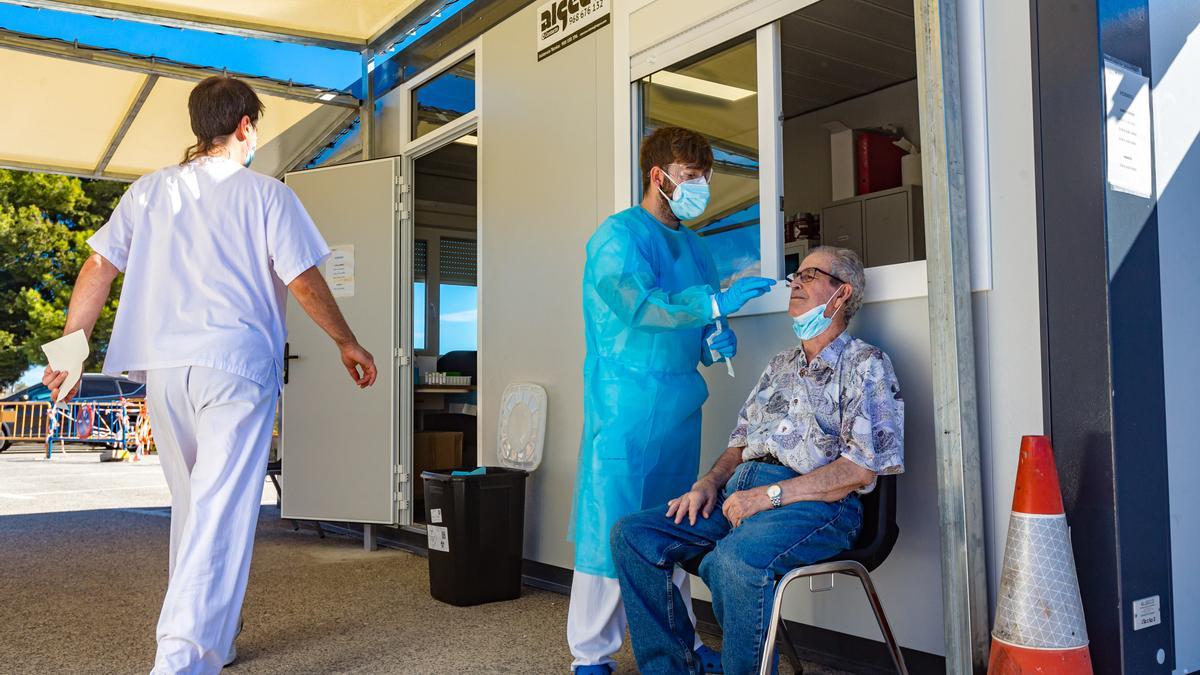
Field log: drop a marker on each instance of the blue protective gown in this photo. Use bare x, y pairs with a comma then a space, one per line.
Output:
647, 296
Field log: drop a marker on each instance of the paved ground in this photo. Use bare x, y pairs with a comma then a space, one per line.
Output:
77, 480
83, 557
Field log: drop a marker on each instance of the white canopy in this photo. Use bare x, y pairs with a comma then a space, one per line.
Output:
94, 112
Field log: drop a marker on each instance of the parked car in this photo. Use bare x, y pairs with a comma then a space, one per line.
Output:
94, 387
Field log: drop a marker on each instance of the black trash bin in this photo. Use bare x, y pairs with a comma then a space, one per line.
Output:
476, 530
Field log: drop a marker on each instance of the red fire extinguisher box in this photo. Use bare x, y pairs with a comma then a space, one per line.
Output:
877, 161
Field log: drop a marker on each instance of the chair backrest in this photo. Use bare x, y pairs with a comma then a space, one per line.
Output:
458, 362
879, 529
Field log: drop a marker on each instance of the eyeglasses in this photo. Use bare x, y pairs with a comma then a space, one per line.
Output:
809, 275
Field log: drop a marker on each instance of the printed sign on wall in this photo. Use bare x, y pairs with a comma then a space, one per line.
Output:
564, 22
339, 271
1129, 137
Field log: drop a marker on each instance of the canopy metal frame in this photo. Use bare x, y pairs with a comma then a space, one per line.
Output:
399, 26
149, 65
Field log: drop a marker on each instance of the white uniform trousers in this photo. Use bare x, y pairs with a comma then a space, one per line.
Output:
213, 434
596, 618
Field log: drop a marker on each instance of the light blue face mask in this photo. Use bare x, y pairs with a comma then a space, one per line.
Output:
814, 322
689, 199
253, 147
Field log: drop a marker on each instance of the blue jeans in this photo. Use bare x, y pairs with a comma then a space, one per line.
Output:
741, 569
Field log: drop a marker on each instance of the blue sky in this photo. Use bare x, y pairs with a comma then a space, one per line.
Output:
302, 64
459, 320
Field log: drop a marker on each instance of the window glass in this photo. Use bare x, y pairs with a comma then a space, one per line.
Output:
716, 94
420, 302
458, 321
849, 93
419, 315
444, 99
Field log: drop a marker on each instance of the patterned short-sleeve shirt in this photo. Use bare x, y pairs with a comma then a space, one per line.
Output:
846, 403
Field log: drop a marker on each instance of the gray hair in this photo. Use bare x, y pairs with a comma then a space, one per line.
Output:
848, 267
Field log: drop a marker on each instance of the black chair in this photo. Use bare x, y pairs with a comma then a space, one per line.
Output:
875, 541
465, 362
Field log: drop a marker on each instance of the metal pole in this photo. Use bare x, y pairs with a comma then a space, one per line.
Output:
964, 571
108, 9
367, 108
127, 122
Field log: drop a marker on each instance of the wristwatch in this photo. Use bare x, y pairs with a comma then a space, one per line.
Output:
776, 494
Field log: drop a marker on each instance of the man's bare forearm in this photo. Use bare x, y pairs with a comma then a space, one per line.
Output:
724, 467
91, 290
313, 294
829, 483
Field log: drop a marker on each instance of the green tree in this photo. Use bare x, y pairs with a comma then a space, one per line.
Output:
45, 220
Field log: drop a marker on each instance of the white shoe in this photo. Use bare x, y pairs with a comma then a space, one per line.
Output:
232, 655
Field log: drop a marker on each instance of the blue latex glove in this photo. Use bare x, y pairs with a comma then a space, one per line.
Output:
742, 291
723, 343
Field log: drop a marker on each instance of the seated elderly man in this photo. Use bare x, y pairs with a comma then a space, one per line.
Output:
822, 422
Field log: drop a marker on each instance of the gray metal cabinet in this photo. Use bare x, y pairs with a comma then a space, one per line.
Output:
842, 226
884, 228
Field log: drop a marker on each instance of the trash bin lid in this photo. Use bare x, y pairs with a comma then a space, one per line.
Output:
522, 431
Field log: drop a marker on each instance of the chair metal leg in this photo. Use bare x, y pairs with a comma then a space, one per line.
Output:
764, 666
842, 567
881, 617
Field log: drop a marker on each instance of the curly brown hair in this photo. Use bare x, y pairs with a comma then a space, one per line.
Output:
674, 145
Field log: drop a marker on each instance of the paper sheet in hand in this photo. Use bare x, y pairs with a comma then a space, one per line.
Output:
67, 353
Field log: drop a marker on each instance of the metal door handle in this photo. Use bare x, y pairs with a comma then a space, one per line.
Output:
287, 356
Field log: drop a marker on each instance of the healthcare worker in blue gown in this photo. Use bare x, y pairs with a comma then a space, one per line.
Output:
652, 303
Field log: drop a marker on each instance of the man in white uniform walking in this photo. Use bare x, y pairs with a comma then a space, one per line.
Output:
209, 250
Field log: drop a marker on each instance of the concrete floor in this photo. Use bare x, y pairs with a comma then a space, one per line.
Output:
83, 565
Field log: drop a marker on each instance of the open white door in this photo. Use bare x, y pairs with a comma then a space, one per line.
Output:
339, 444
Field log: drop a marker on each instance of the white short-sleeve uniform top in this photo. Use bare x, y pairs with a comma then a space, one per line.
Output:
208, 249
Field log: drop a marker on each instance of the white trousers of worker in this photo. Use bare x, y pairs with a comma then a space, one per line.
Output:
596, 618
213, 434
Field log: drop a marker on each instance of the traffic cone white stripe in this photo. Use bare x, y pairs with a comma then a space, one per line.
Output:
1039, 604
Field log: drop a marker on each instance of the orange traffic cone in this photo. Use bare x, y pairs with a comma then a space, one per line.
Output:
1039, 620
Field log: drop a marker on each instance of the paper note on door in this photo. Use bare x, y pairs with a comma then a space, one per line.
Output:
1128, 139
435, 515
439, 538
339, 271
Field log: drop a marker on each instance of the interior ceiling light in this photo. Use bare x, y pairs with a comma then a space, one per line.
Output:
468, 140
699, 86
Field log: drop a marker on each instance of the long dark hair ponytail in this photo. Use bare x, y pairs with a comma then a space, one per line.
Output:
216, 107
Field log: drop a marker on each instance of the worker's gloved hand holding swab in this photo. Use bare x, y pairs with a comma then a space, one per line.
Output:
742, 291
722, 343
